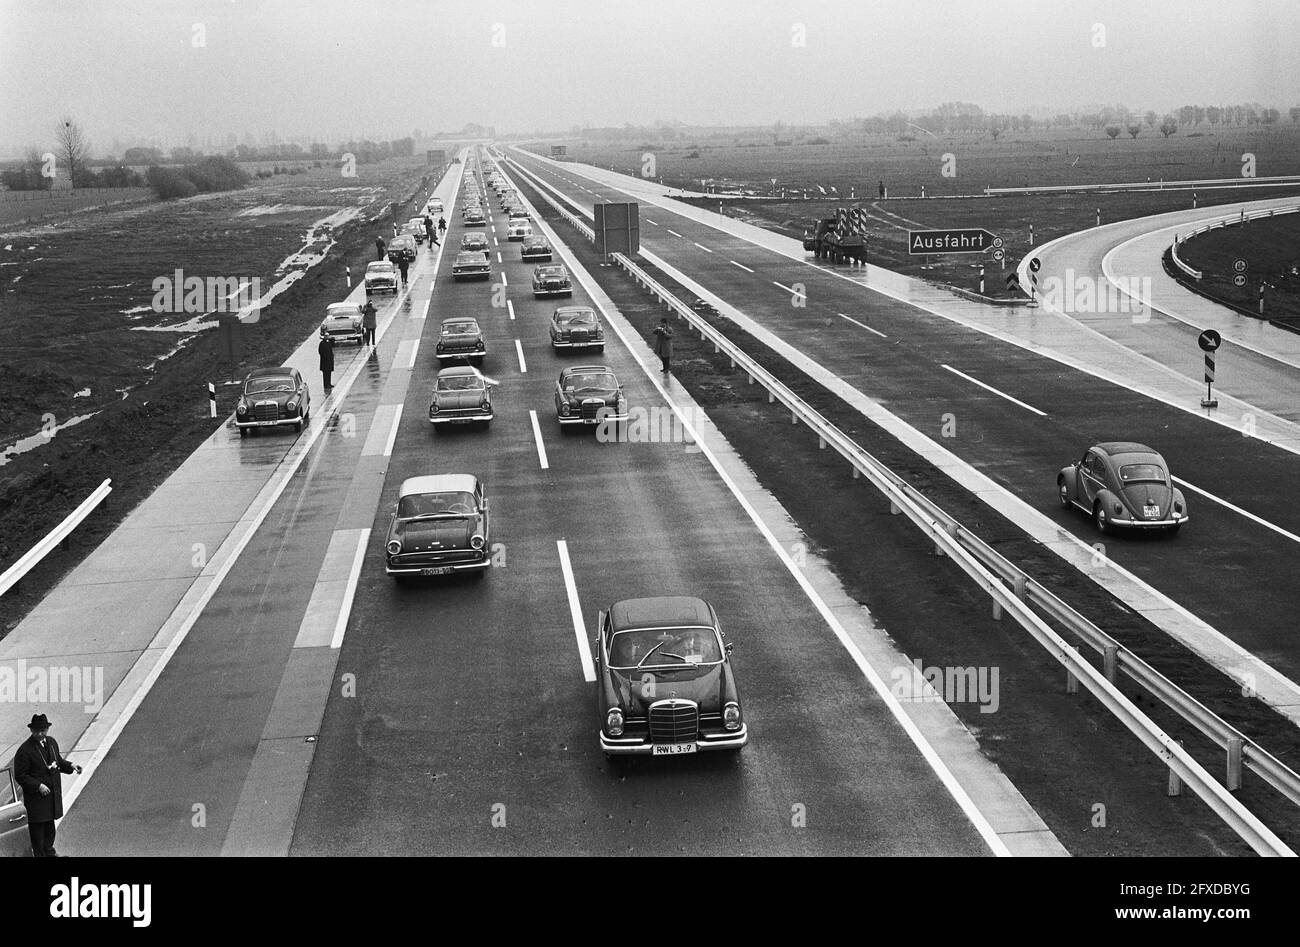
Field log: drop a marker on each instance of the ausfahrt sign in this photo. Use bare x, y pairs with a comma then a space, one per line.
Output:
920, 242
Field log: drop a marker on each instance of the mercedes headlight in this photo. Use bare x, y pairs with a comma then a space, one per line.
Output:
614, 722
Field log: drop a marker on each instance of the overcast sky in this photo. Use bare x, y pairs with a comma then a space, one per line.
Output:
131, 68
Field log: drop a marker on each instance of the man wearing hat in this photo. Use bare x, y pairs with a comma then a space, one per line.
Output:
37, 766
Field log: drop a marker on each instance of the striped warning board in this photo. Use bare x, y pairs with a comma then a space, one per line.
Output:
1209, 366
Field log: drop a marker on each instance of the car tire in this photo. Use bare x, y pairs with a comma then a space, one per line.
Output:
1063, 493
243, 432
1099, 519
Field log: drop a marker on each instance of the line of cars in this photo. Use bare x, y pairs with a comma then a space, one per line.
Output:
665, 684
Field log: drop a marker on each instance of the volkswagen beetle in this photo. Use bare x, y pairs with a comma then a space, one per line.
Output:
1120, 483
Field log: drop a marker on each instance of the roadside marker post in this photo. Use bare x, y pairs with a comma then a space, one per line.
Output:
1031, 235
1261, 299
1098, 216
347, 270
981, 279
212, 400
1209, 341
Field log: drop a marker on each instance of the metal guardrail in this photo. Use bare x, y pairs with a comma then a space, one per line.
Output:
1228, 221
14, 574
1013, 591
1162, 185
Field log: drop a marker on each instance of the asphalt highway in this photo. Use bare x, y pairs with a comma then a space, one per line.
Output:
1019, 418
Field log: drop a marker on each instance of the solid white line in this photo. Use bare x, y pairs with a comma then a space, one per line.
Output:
424, 313
392, 434
523, 366
862, 324
789, 289
504, 281
741, 265
675, 233
510, 307
1000, 394
649, 221
414, 349
1236, 509
702, 247
350, 590
537, 436
575, 609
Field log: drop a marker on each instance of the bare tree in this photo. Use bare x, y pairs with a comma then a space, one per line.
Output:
1168, 126
1133, 129
73, 147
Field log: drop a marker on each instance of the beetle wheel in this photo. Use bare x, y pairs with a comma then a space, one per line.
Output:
1063, 493
1099, 518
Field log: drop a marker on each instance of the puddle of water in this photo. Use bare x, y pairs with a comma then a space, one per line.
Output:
39, 439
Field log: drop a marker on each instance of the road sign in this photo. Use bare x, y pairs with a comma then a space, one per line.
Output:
1239, 265
1209, 340
1013, 280
1239, 280
997, 243
1035, 265
921, 242
998, 254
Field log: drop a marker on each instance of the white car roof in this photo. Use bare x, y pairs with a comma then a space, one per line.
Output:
438, 483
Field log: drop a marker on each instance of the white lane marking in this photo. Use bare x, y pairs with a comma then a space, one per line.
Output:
675, 233
499, 260
1236, 509
424, 313
380, 426
392, 433
789, 289
702, 247
350, 590
510, 307
414, 349
1000, 394
523, 366
575, 609
649, 221
741, 265
537, 436
862, 324
496, 242
504, 281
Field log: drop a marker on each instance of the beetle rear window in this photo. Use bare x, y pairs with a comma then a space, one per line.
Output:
1137, 473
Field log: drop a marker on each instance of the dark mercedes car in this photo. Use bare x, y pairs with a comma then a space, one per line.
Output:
534, 249
474, 242
1121, 483
551, 279
471, 264
473, 215
439, 526
577, 327
588, 395
403, 247
664, 685
460, 338
273, 397
460, 396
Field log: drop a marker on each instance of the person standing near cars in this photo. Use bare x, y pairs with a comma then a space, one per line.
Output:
368, 323
326, 350
664, 342
380, 246
442, 224
38, 766
430, 230
403, 264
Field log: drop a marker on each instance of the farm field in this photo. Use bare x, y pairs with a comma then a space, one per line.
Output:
81, 339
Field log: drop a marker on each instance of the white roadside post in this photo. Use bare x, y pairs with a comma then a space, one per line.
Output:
212, 400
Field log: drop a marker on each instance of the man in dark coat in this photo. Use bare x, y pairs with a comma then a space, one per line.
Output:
403, 265
326, 350
430, 230
379, 246
368, 323
37, 767
442, 224
664, 342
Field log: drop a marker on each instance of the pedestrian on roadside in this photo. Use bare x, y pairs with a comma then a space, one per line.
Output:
403, 265
379, 246
326, 350
38, 766
368, 323
664, 342
881, 186
442, 224
430, 230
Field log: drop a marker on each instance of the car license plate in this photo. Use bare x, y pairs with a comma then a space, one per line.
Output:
439, 570
1151, 511
673, 749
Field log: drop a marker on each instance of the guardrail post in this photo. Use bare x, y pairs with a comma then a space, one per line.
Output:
894, 508
1071, 682
1175, 784
856, 473
1110, 660
1234, 763
821, 443
771, 396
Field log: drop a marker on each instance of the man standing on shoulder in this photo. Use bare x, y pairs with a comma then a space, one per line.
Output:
664, 342
326, 352
38, 766
368, 323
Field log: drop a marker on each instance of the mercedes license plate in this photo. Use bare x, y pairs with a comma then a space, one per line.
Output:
673, 749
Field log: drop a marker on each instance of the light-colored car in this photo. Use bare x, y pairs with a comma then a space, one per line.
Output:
461, 395
460, 338
381, 277
519, 229
475, 241
439, 527
342, 323
415, 227
435, 206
